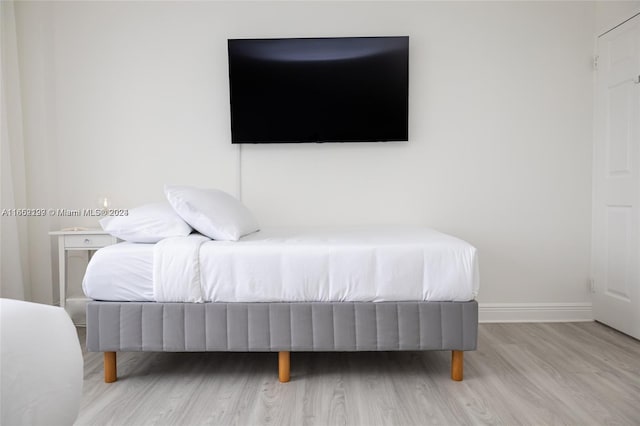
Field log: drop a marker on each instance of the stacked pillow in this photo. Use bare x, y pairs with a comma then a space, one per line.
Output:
211, 212
147, 224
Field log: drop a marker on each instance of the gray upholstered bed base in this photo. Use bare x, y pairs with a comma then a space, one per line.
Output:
281, 327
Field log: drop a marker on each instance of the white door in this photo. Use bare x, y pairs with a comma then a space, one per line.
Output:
616, 180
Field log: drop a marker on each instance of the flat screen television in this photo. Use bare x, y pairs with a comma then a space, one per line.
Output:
347, 89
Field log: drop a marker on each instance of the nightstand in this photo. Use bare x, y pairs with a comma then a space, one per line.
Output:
88, 240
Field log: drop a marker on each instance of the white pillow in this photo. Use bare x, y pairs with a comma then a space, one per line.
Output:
212, 212
147, 224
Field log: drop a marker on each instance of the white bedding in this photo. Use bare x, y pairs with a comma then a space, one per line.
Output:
353, 264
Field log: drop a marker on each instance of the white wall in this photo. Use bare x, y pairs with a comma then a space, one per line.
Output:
135, 95
612, 13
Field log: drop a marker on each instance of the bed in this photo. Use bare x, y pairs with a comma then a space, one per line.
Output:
286, 290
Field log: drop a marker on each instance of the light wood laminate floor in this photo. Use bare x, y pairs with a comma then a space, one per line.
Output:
538, 374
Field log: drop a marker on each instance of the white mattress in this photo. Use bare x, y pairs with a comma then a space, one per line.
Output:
354, 264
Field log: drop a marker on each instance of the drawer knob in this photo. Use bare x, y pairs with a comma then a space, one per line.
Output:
87, 241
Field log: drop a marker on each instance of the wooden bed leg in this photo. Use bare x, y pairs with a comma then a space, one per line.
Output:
284, 366
457, 365
110, 369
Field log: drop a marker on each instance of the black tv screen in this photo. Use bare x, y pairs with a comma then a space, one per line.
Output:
353, 89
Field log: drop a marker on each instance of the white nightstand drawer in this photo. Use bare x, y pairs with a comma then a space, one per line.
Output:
77, 239
87, 241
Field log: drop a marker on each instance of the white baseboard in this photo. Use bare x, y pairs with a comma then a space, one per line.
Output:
535, 312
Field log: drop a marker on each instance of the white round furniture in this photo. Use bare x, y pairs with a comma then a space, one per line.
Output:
41, 365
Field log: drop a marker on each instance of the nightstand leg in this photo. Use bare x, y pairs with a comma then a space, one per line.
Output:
62, 265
